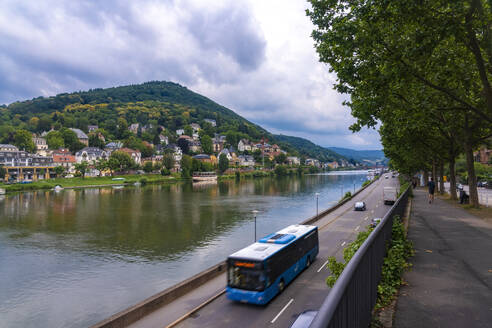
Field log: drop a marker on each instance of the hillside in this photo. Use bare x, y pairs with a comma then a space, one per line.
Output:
151, 104
360, 155
309, 149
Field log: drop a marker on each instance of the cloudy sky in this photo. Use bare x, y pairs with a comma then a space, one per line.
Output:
255, 57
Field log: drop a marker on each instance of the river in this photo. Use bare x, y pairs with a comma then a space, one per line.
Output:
73, 258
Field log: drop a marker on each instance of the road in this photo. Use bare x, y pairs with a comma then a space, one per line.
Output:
306, 292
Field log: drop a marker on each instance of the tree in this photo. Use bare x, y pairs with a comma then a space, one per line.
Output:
23, 140
207, 145
168, 161
186, 162
59, 170
95, 141
81, 168
121, 161
223, 163
148, 167
55, 140
101, 166
184, 145
188, 130
3, 172
70, 140
281, 158
208, 129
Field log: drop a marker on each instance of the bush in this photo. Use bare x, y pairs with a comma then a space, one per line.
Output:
365, 183
281, 170
348, 194
165, 171
238, 175
143, 181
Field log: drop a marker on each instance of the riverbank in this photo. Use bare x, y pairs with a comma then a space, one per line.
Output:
89, 182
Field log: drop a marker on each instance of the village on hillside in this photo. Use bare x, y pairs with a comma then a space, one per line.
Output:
101, 157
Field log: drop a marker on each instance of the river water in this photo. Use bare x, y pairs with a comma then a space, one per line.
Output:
73, 258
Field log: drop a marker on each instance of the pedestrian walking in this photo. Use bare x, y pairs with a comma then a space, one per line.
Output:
432, 187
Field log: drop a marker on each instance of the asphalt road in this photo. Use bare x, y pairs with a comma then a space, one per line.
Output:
309, 289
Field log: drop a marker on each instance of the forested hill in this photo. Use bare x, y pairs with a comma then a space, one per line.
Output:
360, 155
150, 104
309, 149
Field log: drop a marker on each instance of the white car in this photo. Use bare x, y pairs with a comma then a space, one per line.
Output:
360, 206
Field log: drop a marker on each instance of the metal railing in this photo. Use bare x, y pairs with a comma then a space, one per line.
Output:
351, 300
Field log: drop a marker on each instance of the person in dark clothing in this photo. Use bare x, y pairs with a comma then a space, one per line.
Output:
432, 187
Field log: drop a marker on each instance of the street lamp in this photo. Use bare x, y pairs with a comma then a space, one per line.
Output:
254, 214
317, 194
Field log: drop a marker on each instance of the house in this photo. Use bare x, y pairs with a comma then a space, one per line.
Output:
226, 152
63, 157
246, 160
83, 138
112, 146
218, 143
483, 155
134, 128
180, 132
91, 155
195, 136
312, 162
195, 127
22, 166
147, 128
195, 146
212, 122
163, 139
293, 160
333, 165
41, 145
155, 159
92, 128
203, 158
8, 147
177, 152
134, 154
45, 133
244, 145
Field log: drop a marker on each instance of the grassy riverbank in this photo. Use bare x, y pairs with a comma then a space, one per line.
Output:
88, 182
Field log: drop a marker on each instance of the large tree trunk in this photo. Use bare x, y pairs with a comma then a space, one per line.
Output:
472, 179
441, 177
434, 173
452, 179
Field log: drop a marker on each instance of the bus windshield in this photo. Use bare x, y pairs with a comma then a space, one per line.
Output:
246, 278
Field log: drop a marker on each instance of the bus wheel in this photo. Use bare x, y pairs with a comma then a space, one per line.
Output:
281, 286
308, 262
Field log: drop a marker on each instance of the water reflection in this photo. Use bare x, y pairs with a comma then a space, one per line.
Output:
63, 250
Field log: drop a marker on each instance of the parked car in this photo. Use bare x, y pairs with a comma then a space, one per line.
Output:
304, 319
360, 206
482, 184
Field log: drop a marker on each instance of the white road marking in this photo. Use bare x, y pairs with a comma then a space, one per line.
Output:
281, 311
343, 244
365, 219
357, 228
324, 264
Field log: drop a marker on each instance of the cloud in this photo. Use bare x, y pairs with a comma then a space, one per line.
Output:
255, 57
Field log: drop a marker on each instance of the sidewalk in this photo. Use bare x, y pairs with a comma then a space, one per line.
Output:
450, 283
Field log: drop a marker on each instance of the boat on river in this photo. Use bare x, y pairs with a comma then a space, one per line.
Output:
204, 176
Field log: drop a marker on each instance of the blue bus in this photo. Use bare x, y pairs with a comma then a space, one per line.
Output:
257, 273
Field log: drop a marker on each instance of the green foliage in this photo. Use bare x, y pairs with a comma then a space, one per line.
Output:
223, 163
281, 170
348, 194
81, 168
306, 148
148, 167
121, 161
59, 170
23, 140
168, 161
186, 162
3, 172
207, 145
281, 159
188, 131
165, 171
143, 180
365, 183
95, 141
55, 140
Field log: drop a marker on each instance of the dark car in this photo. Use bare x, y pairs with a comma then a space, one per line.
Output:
360, 206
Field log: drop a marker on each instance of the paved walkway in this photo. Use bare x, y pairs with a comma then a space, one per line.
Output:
450, 283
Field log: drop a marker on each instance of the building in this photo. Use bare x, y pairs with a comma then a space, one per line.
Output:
177, 152
180, 132
246, 160
244, 145
92, 128
112, 146
83, 138
293, 160
203, 158
195, 146
212, 122
312, 162
91, 155
134, 154
163, 139
133, 128
218, 143
483, 155
63, 157
41, 145
333, 165
22, 166
195, 127
225, 152
8, 147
